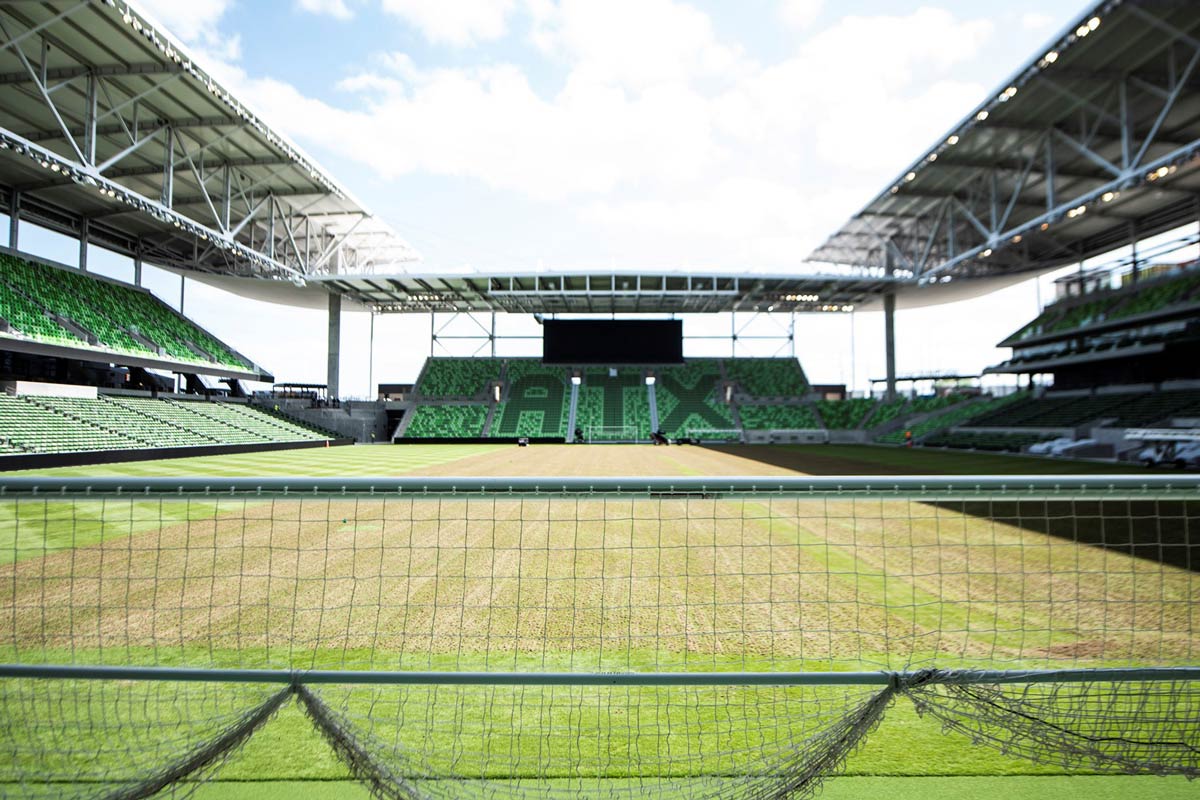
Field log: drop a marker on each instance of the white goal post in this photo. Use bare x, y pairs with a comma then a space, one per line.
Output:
611, 433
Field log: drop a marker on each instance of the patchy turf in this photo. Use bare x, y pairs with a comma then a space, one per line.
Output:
510, 585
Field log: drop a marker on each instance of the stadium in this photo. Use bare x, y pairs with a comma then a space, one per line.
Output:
612, 538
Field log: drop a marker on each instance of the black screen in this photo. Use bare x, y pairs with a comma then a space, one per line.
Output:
585, 341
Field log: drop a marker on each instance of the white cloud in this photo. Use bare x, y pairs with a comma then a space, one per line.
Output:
454, 22
1036, 21
800, 14
195, 22
661, 137
636, 43
333, 8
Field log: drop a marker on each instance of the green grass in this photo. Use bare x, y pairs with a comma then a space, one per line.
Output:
904, 745
847, 788
853, 459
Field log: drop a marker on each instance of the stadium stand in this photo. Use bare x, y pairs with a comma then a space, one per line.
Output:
447, 422
844, 414
614, 402
995, 441
687, 398
778, 417
538, 401
957, 414
1123, 409
1145, 297
116, 317
51, 424
445, 378
767, 377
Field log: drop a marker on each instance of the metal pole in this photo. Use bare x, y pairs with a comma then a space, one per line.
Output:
137, 270
926, 487
334, 350
371, 361
182, 284
83, 244
14, 220
449, 678
889, 342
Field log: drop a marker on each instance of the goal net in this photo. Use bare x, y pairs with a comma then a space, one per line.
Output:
598, 637
612, 433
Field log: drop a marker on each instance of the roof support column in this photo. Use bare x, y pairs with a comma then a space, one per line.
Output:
14, 220
335, 346
83, 244
137, 270
889, 342
1133, 243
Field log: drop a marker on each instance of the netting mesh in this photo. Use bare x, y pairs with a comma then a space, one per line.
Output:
939, 597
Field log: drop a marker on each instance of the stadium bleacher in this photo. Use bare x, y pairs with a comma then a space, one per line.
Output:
1124, 409
618, 405
777, 417
993, 441
448, 378
538, 401
957, 414
1144, 297
767, 377
688, 399
447, 422
845, 414
53, 424
117, 317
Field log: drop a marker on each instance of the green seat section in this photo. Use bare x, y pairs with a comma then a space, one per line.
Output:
953, 416
35, 428
845, 414
984, 440
187, 416
1148, 295
66, 424
886, 411
115, 314
30, 320
760, 418
1126, 410
246, 420
538, 401
152, 432
447, 422
614, 407
688, 398
457, 377
767, 377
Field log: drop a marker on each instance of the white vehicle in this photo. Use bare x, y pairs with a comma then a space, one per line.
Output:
1168, 454
1064, 448
1044, 448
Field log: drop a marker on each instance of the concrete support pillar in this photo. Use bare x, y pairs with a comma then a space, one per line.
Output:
137, 270
14, 220
889, 342
83, 244
1133, 243
335, 345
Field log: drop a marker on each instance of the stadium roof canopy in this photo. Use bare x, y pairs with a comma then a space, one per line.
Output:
112, 133
1091, 144
613, 292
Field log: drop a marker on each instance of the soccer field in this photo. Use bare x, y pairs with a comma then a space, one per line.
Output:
589, 584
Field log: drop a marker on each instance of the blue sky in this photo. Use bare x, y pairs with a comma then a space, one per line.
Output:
504, 134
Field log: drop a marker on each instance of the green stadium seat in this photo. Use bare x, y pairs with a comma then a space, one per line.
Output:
447, 422
121, 318
688, 399
457, 377
777, 417
538, 401
767, 377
